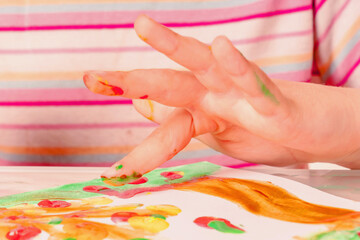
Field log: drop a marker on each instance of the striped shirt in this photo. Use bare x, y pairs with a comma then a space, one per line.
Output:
48, 117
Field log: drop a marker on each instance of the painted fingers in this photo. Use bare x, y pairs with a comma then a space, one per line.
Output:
186, 51
259, 91
164, 143
169, 87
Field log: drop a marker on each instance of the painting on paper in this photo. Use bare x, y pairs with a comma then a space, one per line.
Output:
196, 201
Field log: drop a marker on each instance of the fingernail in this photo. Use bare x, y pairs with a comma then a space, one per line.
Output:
110, 172
142, 37
166, 40
146, 107
96, 82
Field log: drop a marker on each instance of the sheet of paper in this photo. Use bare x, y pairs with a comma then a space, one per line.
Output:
197, 201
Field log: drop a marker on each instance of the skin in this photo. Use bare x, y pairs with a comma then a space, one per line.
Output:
230, 104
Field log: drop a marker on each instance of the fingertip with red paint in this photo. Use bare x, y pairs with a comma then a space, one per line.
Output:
97, 82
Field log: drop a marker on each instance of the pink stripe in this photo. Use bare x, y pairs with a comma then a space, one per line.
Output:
336, 16
77, 21
348, 74
64, 103
4, 162
219, 160
272, 36
317, 8
77, 126
141, 49
296, 76
51, 94
342, 73
243, 165
75, 50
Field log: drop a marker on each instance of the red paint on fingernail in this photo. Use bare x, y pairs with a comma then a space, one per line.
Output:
144, 97
116, 90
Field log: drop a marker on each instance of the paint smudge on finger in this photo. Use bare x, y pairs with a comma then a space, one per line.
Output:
144, 97
264, 89
219, 224
115, 89
123, 179
151, 107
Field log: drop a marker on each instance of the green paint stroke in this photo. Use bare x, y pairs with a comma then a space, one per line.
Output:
265, 90
119, 167
123, 180
74, 190
223, 227
158, 216
338, 235
139, 239
70, 238
55, 221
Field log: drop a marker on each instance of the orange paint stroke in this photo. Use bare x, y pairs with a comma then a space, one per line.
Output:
269, 200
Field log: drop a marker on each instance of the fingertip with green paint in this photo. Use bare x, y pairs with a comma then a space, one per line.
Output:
119, 167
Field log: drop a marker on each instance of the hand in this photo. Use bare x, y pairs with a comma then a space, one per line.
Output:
230, 104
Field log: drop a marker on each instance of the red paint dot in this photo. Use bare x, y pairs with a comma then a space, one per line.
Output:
204, 221
144, 97
53, 204
95, 189
23, 233
139, 181
122, 216
171, 175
